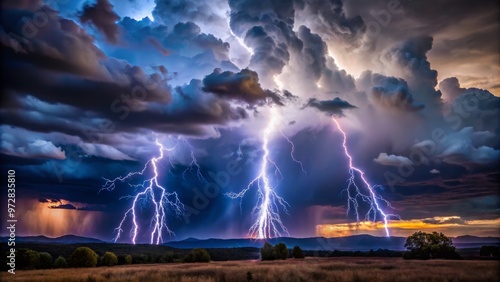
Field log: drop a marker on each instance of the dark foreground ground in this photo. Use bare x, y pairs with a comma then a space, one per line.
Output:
309, 269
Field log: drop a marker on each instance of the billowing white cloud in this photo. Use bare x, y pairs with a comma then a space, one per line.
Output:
392, 160
34, 149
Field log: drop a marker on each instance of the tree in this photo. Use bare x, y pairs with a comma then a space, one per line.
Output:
489, 251
297, 252
45, 260
421, 245
83, 257
197, 255
27, 259
128, 259
267, 252
109, 259
280, 251
60, 262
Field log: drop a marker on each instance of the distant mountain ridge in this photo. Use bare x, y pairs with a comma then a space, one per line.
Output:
65, 239
348, 243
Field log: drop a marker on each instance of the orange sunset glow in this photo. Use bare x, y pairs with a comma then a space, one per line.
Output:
46, 219
451, 225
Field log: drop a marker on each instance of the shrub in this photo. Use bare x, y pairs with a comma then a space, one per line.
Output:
128, 259
109, 259
60, 262
421, 245
197, 255
27, 259
45, 260
280, 251
83, 257
167, 257
297, 252
267, 252
489, 251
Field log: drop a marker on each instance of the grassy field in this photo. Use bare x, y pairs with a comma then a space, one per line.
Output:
309, 269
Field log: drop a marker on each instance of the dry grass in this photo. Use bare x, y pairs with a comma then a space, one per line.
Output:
310, 269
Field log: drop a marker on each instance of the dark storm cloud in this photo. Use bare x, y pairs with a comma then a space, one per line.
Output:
22, 4
450, 195
69, 206
243, 86
172, 12
410, 58
102, 16
191, 53
475, 107
389, 92
315, 50
74, 73
465, 37
63, 206
331, 107
312, 67
60, 45
62, 82
267, 28
187, 34
329, 19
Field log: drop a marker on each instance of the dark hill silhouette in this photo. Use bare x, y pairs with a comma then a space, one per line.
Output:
348, 243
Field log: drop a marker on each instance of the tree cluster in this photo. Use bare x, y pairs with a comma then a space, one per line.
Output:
490, 251
81, 257
422, 245
197, 255
279, 251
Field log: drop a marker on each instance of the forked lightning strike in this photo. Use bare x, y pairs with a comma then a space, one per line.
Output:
292, 151
153, 194
268, 223
352, 188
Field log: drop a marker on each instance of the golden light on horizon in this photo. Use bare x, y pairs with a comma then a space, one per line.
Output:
451, 225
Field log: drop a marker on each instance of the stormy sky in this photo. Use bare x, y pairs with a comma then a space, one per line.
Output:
89, 86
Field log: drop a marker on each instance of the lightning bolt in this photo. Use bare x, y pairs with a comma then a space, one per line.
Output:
292, 151
152, 193
354, 192
268, 223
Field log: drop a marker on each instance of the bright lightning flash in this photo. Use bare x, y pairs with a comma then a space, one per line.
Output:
152, 194
268, 223
354, 192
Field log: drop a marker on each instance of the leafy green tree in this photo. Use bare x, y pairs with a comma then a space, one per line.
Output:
280, 251
83, 257
421, 245
267, 252
297, 252
60, 262
27, 259
109, 259
128, 259
45, 260
197, 255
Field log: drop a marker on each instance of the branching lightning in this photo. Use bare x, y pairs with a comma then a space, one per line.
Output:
152, 194
292, 151
354, 192
268, 223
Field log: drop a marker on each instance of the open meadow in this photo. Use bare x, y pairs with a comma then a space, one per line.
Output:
309, 269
